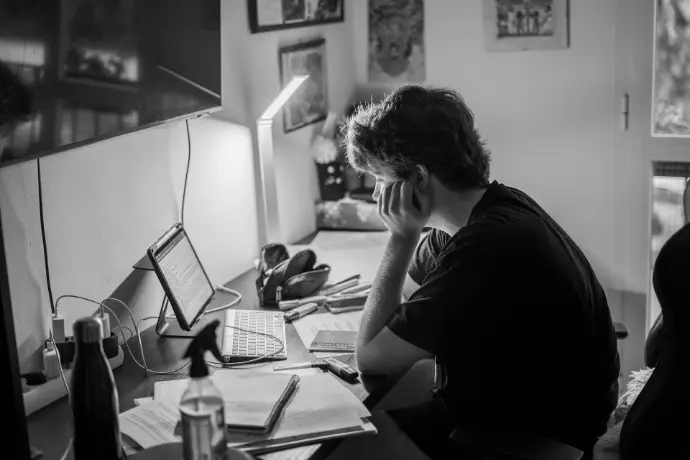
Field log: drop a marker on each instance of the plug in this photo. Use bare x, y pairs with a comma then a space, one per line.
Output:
58, 328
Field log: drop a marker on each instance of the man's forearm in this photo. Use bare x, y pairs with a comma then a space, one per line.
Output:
384, 297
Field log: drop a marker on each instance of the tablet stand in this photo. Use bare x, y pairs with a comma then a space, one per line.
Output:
169, 327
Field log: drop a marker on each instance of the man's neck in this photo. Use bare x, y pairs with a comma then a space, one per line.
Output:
452, 209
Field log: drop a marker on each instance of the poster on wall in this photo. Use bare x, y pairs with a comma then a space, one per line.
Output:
396, 41
671, 98
309, 104
525, 25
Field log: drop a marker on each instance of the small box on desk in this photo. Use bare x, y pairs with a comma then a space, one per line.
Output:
348, 214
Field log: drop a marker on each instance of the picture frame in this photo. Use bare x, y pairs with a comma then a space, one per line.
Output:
526, 25
270, 15
670, 106
309, 104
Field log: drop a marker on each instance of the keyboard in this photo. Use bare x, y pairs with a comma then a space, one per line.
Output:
241, 344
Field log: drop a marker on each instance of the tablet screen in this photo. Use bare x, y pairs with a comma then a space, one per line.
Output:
184, 274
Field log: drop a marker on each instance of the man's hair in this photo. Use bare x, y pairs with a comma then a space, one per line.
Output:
417, 125
16, 99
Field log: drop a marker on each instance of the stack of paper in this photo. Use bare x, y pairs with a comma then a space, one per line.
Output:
322, 408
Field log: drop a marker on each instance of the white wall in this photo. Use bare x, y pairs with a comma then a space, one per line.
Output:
104, 204
107, 202
549, 116
253, 76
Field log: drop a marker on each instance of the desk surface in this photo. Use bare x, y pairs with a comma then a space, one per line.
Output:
50, 432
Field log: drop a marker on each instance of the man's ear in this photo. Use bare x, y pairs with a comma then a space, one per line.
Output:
421, 177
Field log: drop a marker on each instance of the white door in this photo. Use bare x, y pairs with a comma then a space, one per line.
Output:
636, 149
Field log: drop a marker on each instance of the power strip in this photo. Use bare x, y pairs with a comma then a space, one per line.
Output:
42, 395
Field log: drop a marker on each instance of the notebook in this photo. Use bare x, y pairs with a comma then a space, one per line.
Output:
327, 340
253, 400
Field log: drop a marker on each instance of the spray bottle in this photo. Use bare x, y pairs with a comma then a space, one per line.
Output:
204, 432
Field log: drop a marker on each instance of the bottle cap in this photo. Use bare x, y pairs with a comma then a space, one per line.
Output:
87, 330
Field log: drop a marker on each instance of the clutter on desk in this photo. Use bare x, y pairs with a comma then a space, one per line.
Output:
335, 366
301, 311
284, 277
252, 401
320, 409
93, 398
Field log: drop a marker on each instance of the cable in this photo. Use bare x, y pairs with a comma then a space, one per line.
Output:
220, 287
136, 329
69, 395
43, 234
137, 333
186, 174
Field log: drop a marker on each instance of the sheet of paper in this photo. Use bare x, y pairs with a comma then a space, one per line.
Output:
321, 403
151, 424
308, 326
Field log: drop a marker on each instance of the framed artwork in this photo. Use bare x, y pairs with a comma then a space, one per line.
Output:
396, 41
309, 104
526, 25
267, 15
671, 80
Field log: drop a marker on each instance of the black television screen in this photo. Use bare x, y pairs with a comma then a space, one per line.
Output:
101, 68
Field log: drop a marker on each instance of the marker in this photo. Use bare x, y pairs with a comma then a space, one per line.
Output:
340, 285
355, 289
300, 312
290, 304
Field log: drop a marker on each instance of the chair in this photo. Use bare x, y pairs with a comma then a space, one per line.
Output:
658, 423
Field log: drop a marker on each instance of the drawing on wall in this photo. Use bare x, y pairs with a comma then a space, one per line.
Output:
310, 103
523, 25
671, 98
396, 41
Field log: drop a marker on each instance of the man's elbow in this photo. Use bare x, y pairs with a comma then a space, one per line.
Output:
368, 363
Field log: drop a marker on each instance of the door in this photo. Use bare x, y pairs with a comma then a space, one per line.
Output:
636, 153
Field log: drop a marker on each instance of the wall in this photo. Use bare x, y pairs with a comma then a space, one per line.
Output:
251, 78
551, 120
106, 203
548, 116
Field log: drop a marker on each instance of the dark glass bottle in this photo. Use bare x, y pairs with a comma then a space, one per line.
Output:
93, 398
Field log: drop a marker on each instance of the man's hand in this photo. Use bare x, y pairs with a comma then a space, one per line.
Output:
399, 212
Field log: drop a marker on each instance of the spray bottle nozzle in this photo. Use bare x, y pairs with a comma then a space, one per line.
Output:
204, 341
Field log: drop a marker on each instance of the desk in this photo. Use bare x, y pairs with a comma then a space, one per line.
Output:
50, 431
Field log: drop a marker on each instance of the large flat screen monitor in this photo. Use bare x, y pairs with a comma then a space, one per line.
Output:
101, 68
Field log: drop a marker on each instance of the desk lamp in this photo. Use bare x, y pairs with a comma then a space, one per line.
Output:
268, 202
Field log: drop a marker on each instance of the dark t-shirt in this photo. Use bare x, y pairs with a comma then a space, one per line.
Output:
517, 321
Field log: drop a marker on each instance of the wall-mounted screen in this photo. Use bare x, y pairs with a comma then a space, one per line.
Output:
101, 68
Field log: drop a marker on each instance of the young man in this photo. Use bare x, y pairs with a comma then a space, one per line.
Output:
508, 304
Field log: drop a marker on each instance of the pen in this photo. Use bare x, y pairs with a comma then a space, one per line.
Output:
355, 289
300, 312
340, 286
290, 304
